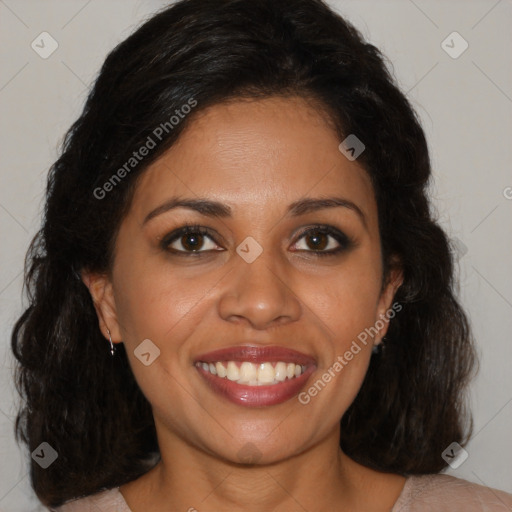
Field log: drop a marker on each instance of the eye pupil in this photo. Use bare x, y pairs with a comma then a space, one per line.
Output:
195, 240
316, 244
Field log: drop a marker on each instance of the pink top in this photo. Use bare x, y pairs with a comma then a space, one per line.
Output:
423, 493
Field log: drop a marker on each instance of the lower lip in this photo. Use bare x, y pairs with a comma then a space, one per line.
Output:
256, 396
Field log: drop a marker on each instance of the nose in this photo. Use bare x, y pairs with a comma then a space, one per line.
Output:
260, 294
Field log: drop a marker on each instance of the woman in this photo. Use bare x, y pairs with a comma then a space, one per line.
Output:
241, 213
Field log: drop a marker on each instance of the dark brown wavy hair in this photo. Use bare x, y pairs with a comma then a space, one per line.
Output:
86, 404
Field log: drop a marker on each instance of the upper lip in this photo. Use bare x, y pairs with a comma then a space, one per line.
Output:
257, 355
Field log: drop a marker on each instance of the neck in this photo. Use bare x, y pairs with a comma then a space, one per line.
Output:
187, 478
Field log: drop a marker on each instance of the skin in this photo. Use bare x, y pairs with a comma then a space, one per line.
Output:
257, 157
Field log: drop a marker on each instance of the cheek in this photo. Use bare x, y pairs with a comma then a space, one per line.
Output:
352, 305
155, 302
347, 301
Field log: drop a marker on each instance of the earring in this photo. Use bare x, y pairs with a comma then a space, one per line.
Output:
379, 348
111, 344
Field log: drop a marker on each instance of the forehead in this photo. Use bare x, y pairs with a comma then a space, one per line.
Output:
255, 154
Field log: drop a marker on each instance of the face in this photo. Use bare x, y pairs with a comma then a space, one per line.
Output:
266, 276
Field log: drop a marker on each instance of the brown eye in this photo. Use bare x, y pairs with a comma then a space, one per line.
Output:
189, 239
324, 241
319, 241
192, 241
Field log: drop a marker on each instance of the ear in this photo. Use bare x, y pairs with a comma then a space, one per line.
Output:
394, 281
102, 293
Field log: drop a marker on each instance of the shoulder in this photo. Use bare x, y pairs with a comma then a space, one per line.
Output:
105, 501
447, 493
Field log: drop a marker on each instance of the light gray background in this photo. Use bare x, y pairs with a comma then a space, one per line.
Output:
465, 105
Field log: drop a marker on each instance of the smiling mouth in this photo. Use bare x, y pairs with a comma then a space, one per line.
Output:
245, 372
255, 376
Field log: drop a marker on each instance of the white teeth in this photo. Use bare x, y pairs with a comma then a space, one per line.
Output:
221, 370
233, 371
248, 373
280, 371
266, 373
251, 374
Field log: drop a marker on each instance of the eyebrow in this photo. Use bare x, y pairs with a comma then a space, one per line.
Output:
211, 208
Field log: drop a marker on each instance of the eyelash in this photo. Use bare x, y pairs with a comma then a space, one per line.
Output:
345, 242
